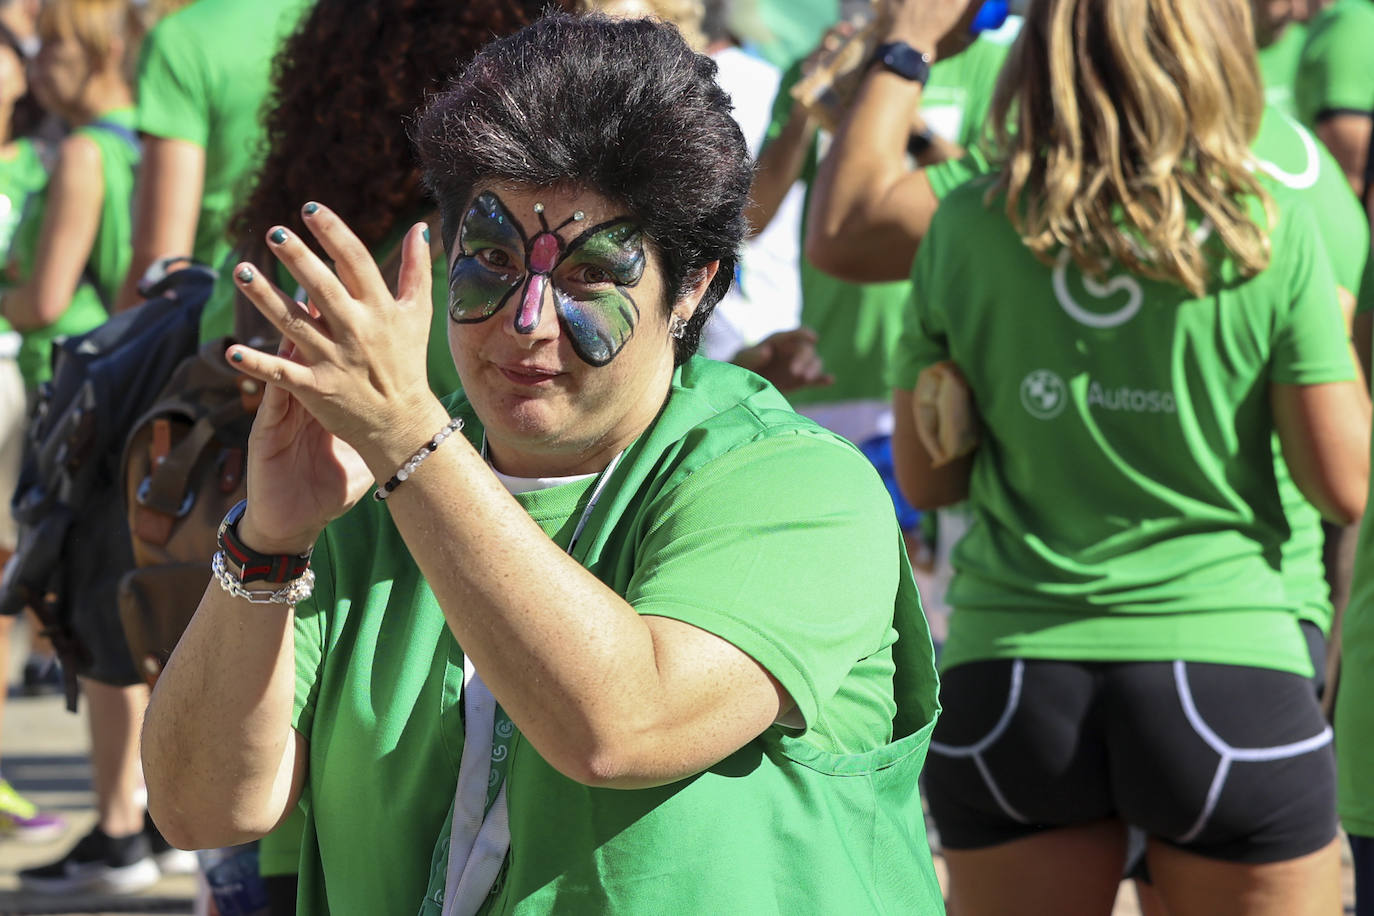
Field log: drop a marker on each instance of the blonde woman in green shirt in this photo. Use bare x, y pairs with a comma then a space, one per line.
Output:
1135, 315
80, 250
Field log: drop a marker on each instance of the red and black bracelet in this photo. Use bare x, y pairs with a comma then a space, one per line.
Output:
252, 565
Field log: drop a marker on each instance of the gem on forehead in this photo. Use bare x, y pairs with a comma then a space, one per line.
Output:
579, 215
538, 208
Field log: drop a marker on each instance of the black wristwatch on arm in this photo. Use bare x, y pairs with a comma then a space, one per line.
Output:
903, 60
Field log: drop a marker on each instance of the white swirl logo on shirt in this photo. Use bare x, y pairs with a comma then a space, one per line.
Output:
1135, 296
1044, 394
1311, 170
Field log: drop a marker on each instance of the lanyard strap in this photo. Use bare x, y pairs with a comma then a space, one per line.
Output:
503, 729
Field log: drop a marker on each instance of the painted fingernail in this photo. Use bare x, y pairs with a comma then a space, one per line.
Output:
244, 275
426, 234
278, 236
311, 208
237, 356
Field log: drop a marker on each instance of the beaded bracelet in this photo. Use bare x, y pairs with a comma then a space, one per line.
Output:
401, 476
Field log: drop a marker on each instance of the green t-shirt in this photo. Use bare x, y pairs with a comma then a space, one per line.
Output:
203, 76
113, 246
857, 324
1119, 509
1355, 701
1278, 64
822, 820
218, 319
1289, 154
110, 251
1336, 70
22, 176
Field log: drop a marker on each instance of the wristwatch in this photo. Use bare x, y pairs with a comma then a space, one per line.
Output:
919, 142
249, 564
903, 60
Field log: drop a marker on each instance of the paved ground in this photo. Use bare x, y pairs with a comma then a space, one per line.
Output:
45, 757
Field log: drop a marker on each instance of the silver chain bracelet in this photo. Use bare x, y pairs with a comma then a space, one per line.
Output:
292, 593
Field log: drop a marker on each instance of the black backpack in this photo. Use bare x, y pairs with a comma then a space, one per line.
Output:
73, 540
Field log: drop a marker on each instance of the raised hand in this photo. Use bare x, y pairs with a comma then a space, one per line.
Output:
348, 390
938, 27
300, 477
788, 359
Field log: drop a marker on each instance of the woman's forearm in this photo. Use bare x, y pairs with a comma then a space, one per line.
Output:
222, 762
778, 168
601, 692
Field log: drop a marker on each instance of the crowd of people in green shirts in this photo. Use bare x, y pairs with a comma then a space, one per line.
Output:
1143, 570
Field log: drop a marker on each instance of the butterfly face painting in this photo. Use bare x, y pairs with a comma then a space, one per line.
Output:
590, 277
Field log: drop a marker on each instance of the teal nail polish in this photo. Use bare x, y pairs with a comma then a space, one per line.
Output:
238, 356
278, 236
311, 208
245, 275
426, 233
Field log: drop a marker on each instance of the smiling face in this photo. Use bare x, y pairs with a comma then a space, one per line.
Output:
558, 327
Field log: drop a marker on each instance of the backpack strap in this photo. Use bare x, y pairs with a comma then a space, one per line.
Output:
127, 134
130, 137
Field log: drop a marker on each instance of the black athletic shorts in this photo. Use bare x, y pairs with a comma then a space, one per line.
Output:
1225, 761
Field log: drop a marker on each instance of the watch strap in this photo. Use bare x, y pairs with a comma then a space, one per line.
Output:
251, 565
902, 59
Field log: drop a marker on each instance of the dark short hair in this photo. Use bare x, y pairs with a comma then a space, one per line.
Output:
622, 107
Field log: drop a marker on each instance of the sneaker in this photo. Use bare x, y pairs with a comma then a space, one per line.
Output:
169, 859
99, 863
21, 820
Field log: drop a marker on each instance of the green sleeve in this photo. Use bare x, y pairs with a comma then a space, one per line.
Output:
749, 548
948, 175
1336, 70
782, 102
171, 85
309, 633
1310, 345
923, 340
1344, 227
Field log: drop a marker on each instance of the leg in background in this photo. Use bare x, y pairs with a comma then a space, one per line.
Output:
1362, 851
1193, 885
115, 715
1069, 871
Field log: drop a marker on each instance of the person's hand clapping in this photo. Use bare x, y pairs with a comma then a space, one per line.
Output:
348, 388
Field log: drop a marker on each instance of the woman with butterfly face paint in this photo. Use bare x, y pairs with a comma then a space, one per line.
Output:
635, 625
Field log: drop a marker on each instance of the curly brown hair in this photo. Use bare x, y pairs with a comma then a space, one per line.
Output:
346, 85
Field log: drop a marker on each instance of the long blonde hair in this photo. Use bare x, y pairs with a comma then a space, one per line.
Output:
1116, 121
